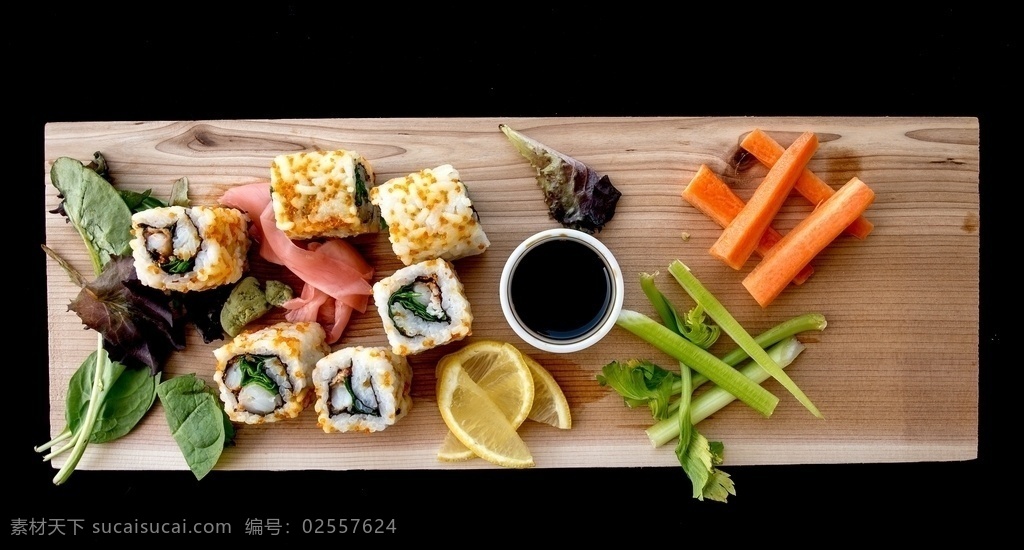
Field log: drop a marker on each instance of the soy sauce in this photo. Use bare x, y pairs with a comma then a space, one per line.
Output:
561, 290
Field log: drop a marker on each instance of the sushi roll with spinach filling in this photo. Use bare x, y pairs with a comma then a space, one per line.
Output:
264, 375
189, 249
423, 306
361, 389
323, 194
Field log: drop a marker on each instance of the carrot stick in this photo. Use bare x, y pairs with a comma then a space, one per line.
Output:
826, 222
813, 188
709, 194
739, 239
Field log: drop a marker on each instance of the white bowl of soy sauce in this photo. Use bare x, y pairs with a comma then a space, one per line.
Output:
561, 290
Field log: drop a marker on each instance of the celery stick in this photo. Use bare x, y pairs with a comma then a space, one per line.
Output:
785, 329
699, 360
714, 399
732, 327
660, 303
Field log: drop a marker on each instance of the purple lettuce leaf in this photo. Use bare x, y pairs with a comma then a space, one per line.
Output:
577, 197
141, 326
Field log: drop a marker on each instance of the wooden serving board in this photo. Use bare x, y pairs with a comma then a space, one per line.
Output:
895, 373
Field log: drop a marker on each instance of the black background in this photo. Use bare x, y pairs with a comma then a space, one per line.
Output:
326, 60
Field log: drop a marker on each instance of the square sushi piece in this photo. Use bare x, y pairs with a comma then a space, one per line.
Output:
429, 215
423, 306
323, 194
361, 389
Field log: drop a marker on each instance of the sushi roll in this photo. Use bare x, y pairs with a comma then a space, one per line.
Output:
189, 249
264, 375
361, 389
423, 306
323, 194
429, 215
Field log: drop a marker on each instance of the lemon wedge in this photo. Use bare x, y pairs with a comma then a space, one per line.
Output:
501, 370
504, 375
549, 403
490, 364
477, 422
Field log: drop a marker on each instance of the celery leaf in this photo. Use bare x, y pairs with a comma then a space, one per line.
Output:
639, 383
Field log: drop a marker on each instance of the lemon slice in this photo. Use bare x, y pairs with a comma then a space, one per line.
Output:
502, 372
549, 403
475, 419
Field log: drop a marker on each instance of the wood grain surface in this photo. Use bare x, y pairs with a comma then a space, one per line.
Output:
895, 373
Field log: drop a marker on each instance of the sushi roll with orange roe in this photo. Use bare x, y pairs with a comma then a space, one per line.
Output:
189, 249
323, 194
429, 215
264, 375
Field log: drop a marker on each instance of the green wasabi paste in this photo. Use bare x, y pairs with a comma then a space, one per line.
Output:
278, 293
248, 302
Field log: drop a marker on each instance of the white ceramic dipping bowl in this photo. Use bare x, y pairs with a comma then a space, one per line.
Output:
609, 315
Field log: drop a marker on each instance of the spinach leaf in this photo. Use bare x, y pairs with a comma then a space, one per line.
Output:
358, 406
128, 401
197, 421
131, 394
252, 372
410, 299
137, 202
178, 266
361, 194
95, 208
